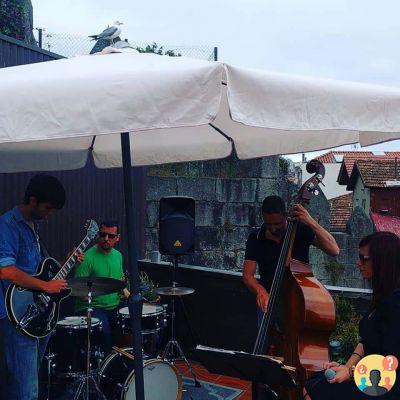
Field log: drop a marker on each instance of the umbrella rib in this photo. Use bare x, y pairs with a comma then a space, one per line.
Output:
221, 132
92, 144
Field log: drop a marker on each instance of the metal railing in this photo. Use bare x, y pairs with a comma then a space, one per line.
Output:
69, 45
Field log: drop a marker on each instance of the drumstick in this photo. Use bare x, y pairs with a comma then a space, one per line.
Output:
123, 352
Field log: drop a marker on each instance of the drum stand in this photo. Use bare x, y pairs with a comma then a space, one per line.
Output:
169, 354
87, 380
50, 365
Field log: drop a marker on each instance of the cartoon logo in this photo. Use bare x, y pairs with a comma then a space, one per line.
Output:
375, 375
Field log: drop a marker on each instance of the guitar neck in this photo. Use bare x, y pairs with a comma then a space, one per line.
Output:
69, 264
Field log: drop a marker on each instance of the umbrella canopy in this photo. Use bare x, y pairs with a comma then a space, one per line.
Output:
285, 114
177, 109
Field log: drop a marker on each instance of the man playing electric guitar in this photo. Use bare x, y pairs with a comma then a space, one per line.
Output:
20, 255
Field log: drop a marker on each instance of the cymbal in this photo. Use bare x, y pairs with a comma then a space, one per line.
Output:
98, 285
174, 291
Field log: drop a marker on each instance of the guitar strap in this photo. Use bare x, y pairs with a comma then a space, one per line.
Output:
43, 249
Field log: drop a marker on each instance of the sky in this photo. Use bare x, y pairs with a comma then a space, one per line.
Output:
355, 40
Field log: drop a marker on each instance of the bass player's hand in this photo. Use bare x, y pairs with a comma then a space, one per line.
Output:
302, 215
54, 286
262, 298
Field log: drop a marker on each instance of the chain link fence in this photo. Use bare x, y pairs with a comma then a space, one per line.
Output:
69, 45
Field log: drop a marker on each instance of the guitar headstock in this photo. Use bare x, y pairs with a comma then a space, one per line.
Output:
91, 228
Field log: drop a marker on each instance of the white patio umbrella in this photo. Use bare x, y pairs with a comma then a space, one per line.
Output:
175, 109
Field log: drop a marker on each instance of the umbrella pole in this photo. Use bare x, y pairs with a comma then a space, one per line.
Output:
135, 299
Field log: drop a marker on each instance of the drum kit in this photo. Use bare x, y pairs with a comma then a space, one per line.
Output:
75, 350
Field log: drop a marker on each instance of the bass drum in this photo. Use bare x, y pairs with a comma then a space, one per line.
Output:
117, 378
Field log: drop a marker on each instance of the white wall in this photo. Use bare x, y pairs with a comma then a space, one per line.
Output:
332, 188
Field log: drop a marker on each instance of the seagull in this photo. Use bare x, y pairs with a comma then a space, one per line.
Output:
109, 33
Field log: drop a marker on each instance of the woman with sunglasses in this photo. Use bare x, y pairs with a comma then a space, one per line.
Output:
379, 261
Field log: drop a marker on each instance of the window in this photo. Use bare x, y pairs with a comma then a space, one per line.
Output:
363, 203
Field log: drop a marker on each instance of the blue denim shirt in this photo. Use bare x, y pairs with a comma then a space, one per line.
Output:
19, 245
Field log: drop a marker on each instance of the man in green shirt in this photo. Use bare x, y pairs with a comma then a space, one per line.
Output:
103, 260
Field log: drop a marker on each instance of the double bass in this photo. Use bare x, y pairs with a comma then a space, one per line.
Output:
300, 336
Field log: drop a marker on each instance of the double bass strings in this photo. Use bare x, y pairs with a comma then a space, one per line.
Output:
275, 288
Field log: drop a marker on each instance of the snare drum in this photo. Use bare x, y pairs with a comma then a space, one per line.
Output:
117, 378
152, 318
152, 321
69, 344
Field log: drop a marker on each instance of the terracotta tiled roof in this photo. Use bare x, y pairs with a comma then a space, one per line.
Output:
386, 223
341, 208
329, 157
349, 157
349, 160
374, 173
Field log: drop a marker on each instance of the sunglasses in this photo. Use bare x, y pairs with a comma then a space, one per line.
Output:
363, 258
110, 235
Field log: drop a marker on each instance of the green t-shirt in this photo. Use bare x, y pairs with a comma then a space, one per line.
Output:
99, 264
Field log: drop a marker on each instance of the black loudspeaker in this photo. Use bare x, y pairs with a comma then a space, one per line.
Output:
176, 225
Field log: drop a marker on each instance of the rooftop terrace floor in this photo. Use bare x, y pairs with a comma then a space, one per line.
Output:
203, 375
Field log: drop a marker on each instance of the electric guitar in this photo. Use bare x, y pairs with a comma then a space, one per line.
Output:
36, 313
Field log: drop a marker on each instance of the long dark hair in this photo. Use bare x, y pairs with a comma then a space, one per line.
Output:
384, 250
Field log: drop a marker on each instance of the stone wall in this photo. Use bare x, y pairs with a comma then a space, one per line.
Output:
228, 198
227, 207
358, 226
319, 209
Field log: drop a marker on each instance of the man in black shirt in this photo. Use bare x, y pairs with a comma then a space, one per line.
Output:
263, 246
